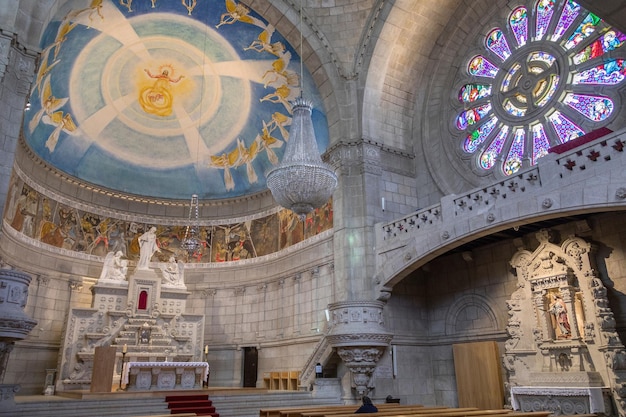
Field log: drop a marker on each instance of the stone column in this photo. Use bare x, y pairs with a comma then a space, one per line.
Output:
17, 71
358, 334
358, 166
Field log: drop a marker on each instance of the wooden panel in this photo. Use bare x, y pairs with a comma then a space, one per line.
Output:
103, 368
275, 380
478, 375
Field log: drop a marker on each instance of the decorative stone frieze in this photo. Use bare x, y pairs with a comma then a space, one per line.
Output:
5, 47
25, 70
370, 157
359, 336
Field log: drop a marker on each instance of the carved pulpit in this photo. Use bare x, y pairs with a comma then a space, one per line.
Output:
563, 353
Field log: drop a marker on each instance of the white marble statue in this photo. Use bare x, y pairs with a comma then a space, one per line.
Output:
114, 268
173, 273
147, 246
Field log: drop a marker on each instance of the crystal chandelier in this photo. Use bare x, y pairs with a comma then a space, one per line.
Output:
301, 182
191, 241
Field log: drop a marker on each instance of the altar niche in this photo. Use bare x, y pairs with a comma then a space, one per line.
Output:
562, 338
145, 317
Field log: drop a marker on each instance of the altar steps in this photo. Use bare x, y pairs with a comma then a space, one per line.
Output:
231, 402
198, 404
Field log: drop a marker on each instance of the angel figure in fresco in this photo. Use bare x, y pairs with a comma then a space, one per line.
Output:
157, 99
267, 142
263, 43
95, 7
44, 69
114, 268
49, 104
247, 156
281, 95
62, 122
189, 5
226, 161
279, 121
237, 12
65, 28
558, 309
279, 72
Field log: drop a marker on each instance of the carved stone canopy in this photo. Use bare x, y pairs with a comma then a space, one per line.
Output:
562, 330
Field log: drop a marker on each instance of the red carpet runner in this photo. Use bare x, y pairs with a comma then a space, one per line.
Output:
199, 404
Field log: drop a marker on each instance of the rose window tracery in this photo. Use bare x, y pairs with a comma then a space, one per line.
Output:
550, 74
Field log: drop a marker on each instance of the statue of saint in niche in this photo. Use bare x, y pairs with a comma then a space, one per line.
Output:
561, 323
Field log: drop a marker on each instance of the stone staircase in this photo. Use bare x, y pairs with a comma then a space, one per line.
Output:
231, 402
198, 404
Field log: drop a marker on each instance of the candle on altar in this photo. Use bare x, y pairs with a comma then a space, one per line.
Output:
206, 349
125, 348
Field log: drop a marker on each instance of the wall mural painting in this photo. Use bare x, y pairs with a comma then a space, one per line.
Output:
166, 98
53, 223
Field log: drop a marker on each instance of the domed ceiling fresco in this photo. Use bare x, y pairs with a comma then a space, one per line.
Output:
166, 98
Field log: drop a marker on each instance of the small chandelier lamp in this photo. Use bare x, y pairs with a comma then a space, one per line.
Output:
301, 182
191, 241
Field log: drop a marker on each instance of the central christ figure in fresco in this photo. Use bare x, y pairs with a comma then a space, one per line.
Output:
158, 99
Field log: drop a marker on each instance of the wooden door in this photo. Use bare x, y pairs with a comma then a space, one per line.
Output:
250, 365
478, 375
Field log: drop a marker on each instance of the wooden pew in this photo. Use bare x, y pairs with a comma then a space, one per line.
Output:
448, 412
340, 408
333, 409
170, 415
275, 412
408, 411
382, 409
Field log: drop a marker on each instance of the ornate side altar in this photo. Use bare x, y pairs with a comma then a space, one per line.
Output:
143, 317
563, 353
147, 376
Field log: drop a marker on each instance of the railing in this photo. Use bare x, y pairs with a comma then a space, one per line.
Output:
320, 352
588, 177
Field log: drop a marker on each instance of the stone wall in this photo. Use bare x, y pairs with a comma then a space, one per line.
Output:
276, 304
461, 297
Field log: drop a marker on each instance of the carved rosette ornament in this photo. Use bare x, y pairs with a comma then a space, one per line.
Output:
359, 336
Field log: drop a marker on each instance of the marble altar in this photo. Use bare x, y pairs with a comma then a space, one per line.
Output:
151, 376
